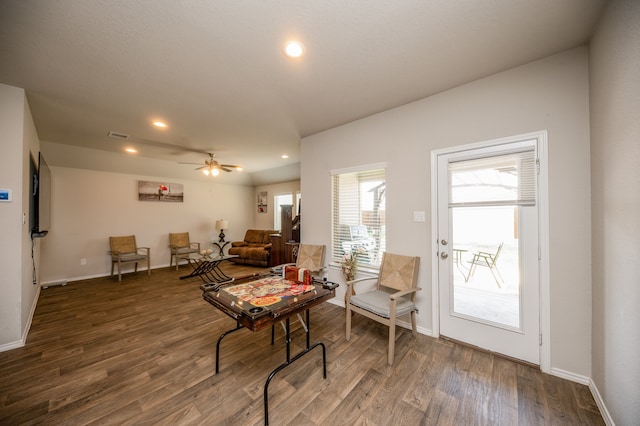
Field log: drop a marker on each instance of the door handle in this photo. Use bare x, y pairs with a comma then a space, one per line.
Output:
444, 255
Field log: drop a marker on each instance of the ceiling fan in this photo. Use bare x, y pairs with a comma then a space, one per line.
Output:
212, 167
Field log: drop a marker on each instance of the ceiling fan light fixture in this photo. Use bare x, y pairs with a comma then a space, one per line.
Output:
213, 168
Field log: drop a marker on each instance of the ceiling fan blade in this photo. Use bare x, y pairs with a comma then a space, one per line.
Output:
213, 166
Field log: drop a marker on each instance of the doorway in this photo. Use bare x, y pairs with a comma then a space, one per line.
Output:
486, 219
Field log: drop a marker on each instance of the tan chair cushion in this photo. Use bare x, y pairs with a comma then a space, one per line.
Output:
378, 302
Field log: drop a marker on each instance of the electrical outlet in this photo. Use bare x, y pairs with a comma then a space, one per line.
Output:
83, 261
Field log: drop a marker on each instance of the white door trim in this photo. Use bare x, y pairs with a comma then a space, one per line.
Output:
543, 228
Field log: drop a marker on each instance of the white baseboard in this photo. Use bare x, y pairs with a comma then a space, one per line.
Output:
563, 374
600, 403
25, 332
12, 345
88, 277
27, 327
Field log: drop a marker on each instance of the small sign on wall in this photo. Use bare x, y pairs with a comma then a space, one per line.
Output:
5, 195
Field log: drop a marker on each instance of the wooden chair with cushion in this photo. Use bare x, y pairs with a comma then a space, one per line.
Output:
125, 250
394, 296
310, 257
179, 244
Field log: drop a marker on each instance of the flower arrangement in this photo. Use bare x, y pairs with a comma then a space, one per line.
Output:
206, 253
349, 262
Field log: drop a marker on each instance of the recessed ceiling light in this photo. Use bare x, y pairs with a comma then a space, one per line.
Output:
131, 150
293, 49
160, 124
284, 156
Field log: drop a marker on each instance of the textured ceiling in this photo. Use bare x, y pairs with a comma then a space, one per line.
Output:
215, 71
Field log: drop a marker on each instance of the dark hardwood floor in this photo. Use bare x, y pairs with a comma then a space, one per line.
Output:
143, 352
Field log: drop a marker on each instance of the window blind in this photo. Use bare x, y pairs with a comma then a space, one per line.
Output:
508, 179
358, 220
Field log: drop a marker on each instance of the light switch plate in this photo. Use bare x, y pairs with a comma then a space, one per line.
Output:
5, 195
418, 216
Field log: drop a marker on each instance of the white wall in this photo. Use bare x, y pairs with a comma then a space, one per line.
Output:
31, 146
89, 206
615, 162
19, 139
550, 94
265, 220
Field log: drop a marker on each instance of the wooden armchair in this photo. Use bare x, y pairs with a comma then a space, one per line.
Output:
310, 257
394, 296
179, 244
125, 250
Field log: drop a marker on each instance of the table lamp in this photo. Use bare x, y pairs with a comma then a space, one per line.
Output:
221, 225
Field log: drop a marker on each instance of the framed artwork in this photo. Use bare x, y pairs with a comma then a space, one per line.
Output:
262, 202
160, 191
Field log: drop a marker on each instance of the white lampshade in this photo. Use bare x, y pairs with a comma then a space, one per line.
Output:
222, 224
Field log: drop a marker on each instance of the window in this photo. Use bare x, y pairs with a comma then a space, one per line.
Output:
358, 213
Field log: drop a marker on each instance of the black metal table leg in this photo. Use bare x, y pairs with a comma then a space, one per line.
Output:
238, 327
217, 273
197, 271
290, 360
208, 271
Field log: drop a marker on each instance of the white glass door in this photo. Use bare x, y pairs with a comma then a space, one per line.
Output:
488, 248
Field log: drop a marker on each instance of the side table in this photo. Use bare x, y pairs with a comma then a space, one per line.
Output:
206, 267
221, 246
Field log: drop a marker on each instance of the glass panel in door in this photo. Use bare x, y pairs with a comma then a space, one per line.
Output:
486, 283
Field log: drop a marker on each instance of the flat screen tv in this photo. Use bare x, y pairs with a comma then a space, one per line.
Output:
40, 198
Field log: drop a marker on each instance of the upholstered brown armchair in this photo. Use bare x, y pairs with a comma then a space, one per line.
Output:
254, 249
125, 250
